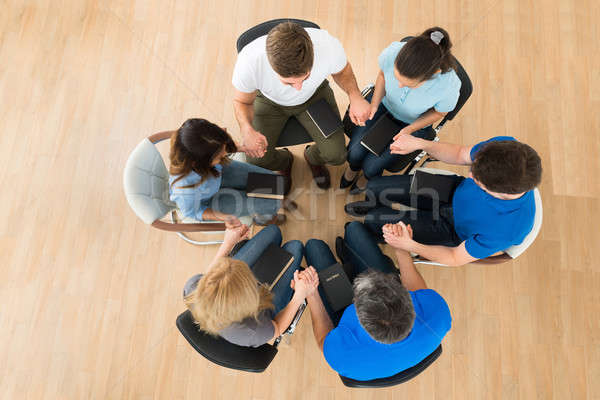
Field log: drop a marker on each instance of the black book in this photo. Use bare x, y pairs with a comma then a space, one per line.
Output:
381, 134
427, 185
267, 186
337, 287
271, 264
324, 117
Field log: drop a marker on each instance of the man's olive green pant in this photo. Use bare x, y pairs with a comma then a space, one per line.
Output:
270, 118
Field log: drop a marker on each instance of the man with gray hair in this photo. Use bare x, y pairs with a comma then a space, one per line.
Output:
394, 322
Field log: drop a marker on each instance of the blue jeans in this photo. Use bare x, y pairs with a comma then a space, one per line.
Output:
432, 223
231, 197
363, 253
361, 158
252, 250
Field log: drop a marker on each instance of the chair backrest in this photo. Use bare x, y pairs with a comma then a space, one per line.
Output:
516, 251
146, 183
466, 88
397, 379
222, 352
264, 28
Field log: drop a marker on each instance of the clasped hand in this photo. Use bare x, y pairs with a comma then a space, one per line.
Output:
405, 143
305, 283
255, 143
399, 235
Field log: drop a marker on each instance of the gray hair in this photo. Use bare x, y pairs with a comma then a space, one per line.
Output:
384, 306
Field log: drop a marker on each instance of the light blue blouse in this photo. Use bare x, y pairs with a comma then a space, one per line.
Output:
193, 201
405, 104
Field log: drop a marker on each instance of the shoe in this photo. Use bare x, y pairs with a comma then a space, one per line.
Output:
355, 189
289, 205
287, 174
345, 183
358, 208
276, 220
319, 172
340, 247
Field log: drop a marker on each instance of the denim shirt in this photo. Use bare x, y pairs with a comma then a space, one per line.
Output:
193, 201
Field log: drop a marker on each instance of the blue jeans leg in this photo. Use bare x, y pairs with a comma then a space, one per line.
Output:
252, 250
319, 255
282, 292
363, 251
232, 198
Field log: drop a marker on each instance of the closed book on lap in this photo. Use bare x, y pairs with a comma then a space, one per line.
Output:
327, 120
381, 134
271, 264
431, 185
266, 186
337, 287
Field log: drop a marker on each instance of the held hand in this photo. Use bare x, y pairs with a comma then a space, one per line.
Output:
235, 235
254, 144
399, 236
404, 143
231, 221
360, 110
305, 283
373, 111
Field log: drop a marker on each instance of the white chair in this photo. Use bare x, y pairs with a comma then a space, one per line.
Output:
508, 254
146, 185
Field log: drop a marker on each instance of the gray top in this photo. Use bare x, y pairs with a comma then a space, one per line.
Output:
248, 332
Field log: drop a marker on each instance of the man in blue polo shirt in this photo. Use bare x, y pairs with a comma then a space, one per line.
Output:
491, 210
395, 321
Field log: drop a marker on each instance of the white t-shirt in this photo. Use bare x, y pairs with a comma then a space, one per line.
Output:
254, 72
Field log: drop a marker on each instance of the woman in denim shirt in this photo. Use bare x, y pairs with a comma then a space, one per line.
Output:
206, 185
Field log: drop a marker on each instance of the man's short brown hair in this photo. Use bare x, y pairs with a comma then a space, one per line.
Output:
508, 167
289, 50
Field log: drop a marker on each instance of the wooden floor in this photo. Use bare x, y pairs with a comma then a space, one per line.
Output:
89, 294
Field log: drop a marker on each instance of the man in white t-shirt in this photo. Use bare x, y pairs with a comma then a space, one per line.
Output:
280, 75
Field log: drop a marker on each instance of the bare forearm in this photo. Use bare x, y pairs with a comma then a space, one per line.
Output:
424, 120
346, 80
410, 276
379, 90
321, 322
214, 215
445, 152
244, 114
284, 318
440, 254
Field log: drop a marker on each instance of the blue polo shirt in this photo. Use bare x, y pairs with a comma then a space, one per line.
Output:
192, 200
350, 350
441, 91
487, 224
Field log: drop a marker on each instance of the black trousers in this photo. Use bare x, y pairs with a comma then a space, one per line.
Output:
432, 221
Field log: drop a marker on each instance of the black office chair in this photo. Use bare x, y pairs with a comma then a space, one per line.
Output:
293, 132
400, 377
466, 89
229, 355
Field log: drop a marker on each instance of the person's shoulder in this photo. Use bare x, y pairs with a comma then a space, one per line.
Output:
317, 35
192, 178
254, 50
429, 298
450, 79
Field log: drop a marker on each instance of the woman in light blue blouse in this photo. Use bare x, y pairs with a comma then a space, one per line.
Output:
206, 185
416, 86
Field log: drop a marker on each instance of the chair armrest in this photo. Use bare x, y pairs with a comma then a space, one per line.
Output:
179, 227
160, 136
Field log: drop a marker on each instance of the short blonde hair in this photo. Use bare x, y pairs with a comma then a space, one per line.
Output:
228, 293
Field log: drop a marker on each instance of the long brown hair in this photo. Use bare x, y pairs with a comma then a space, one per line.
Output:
228, 293
421, 57
194, 146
